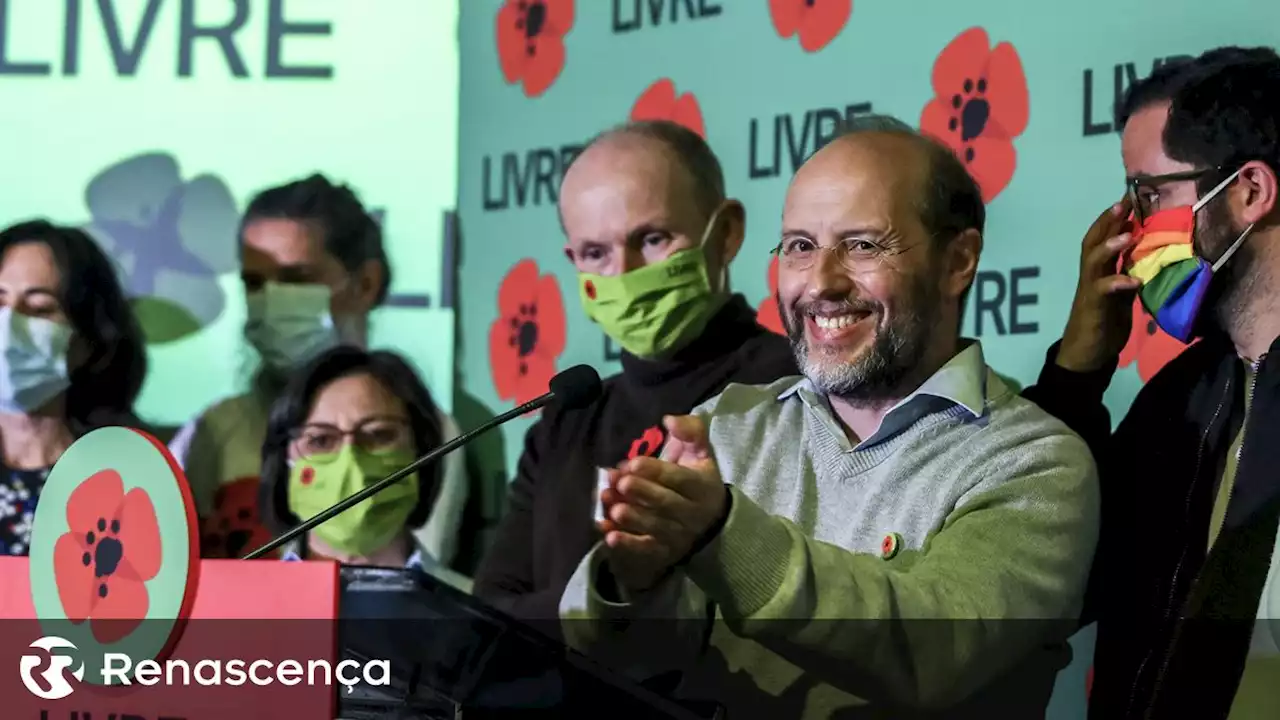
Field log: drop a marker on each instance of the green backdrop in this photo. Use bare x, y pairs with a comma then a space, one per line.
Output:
765, 79
152, 122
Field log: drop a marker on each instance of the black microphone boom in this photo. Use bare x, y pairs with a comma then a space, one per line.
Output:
576, 387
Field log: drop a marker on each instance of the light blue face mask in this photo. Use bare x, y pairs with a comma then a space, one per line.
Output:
289, 324
33, 361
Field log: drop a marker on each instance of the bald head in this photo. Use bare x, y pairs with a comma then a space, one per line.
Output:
882, 173
881, 234
684, 149
922, 171
640, 192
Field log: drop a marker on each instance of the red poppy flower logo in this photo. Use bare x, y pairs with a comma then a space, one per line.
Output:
531, 42
768, 315
817, 22
102, 563
660, 102
529, 334
1149, 346
235, 528
648, 444
981, 103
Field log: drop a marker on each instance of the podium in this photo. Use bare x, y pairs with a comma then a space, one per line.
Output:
275, 613
115, 617
456, 657
446, 654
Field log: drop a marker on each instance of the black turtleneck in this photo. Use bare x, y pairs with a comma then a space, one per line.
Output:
549, 526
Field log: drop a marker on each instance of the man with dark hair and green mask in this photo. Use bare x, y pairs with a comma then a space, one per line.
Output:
651, 233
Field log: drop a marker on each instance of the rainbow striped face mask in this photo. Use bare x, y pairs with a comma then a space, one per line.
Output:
1175, 280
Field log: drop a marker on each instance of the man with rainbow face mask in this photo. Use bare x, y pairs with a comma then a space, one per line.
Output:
1186, 581
651, 233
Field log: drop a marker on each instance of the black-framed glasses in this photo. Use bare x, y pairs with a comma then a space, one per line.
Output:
858, 254
1144, 189
372, 435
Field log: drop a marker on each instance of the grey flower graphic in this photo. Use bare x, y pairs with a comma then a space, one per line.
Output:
170, 239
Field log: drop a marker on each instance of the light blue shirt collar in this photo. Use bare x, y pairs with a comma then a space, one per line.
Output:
960, 382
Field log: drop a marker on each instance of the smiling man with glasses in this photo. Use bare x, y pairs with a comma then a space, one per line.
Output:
1186, 584
895, 532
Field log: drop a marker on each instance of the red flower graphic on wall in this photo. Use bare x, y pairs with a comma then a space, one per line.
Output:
768, 314
531, 41
817, 22
648, 444
1148, 345
111, 549
660, 102
980, 105
529, 334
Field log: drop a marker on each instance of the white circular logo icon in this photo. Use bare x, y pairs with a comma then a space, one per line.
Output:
54, 678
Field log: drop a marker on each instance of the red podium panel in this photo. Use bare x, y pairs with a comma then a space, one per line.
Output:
260, 642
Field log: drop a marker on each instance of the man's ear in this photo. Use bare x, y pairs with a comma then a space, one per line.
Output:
732, 228
1257, 194
962, 255
368, 281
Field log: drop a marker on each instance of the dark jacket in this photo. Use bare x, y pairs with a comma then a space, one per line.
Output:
548, 526
1174, 624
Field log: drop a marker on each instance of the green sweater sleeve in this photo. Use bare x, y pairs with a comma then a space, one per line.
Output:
1005, 573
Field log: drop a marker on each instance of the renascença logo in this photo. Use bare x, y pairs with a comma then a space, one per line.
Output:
54, 677
119, 669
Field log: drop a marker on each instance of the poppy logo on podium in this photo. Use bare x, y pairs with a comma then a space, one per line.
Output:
660, 102
109, 553
114, 551
816, 22
530, 37
1149, 347
981, 103
768, 315
526, 339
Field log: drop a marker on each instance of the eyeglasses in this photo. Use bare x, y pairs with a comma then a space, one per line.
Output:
372, 435
859, 254
1144, 192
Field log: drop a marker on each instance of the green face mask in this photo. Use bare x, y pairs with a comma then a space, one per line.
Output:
657, 308
319, 481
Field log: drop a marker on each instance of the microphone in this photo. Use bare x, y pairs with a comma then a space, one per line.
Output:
575, 388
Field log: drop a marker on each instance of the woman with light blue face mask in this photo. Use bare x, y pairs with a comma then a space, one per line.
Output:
72, 359
313, 266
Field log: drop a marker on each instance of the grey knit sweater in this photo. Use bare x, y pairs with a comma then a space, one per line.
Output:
934, 570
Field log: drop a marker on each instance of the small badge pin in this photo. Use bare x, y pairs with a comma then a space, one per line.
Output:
889, 545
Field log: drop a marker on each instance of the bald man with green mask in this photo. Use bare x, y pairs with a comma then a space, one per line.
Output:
651, 233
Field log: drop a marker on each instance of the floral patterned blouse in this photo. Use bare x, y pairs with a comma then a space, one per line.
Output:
19, 490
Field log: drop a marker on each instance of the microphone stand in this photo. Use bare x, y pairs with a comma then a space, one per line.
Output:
398, 475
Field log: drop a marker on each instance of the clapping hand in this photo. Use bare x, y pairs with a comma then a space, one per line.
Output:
657, 510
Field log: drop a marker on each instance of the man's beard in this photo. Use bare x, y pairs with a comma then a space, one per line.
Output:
897, 349
1227, 299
